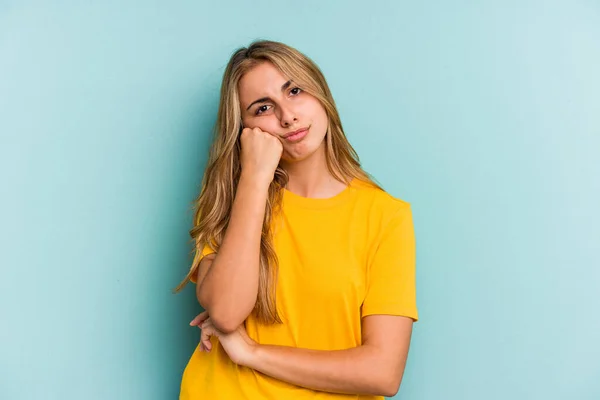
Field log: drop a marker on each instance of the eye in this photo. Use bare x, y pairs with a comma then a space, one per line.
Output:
296, 91
262, 109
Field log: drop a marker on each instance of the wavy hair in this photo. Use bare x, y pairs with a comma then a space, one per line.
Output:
220, 181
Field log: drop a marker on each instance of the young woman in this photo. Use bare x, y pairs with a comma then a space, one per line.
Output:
305, 266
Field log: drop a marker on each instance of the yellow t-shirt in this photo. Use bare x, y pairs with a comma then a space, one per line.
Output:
340, 259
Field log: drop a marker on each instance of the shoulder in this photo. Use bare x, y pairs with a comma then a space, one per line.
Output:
380, 203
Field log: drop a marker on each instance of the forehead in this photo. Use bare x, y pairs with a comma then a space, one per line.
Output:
261, 80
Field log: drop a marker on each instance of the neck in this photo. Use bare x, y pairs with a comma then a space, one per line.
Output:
311, 177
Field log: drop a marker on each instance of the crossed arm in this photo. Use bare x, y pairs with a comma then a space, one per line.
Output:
375, 367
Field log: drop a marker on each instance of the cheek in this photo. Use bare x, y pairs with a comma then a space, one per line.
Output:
320, 120
318, 113
265, 123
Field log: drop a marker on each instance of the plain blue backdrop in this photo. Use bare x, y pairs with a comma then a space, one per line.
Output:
485, 116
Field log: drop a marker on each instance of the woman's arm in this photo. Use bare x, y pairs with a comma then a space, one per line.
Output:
228, 286
374, 368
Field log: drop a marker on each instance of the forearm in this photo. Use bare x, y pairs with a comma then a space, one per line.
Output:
361, 370
229, 289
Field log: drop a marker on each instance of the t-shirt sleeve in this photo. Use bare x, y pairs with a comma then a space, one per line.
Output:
391, 278
206, 250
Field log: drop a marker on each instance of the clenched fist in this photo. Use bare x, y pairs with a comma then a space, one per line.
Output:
261, 152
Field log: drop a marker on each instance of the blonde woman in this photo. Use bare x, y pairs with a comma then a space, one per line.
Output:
304, 265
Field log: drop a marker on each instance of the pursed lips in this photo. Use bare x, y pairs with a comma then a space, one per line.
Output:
293, 133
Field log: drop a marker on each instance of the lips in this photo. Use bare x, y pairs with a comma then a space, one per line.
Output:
296, 136
294, 133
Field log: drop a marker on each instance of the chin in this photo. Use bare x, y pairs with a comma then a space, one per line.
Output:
302, 151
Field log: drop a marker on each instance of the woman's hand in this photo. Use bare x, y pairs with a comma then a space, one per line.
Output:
205, 344
261, 152
237, 344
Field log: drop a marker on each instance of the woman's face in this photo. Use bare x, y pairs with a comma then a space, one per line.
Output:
273, 103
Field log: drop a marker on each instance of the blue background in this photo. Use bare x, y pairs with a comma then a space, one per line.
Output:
485, 116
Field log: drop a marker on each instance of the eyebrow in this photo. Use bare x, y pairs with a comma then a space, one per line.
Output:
265, 99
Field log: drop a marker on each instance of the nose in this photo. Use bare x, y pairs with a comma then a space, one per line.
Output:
287, 116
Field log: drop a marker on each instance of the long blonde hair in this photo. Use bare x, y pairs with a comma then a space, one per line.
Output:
213, 206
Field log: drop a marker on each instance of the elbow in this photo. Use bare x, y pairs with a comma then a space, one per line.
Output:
225, 319
226, 324
226, 316
390, 386
389, 392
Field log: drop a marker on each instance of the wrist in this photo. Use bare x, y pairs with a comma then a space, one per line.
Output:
255, 180
253, 356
